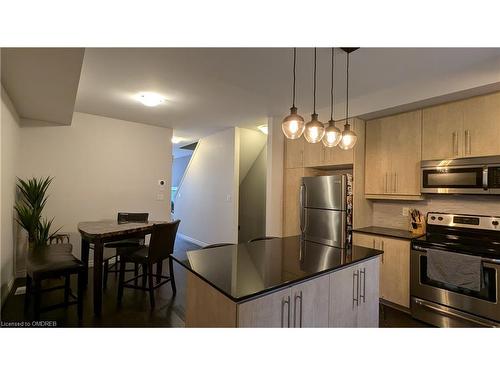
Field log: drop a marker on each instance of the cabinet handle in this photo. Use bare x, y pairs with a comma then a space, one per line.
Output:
382, 249
386, 180
355, 299
297, 297
394, 182
283, 303
455, 144
467, 142
374, 243
363, 272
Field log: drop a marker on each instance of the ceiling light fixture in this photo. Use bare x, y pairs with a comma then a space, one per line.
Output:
333, 135
315, 130
150, 99
263, 129
349, 138
293, 124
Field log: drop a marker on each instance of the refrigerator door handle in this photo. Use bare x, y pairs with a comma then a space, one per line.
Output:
302, 198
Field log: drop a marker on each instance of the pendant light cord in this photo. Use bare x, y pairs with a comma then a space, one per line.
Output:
294, 65
314, 85
347, 91
331, 92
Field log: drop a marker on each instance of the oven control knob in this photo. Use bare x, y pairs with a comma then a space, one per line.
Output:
494, 222
433, 218
440, 218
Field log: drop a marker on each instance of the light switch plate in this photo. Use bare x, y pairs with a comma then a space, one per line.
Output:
160, 197
405, 211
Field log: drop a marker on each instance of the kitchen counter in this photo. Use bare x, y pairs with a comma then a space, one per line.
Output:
388, 232
244, 271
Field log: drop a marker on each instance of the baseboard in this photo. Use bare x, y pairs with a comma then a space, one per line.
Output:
6, 290
193, 240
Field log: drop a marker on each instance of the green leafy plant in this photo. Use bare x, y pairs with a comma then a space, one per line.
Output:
33, 197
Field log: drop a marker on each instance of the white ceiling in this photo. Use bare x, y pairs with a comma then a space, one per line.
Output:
42, 83
209, 89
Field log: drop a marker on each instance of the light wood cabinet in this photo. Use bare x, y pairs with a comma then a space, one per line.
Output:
394, 266
393, 155
354, 295
482, 125
294, 152
465, 128
291, 203
270, 311
442, 136
311, 303
300, 153
313, 154
304, 305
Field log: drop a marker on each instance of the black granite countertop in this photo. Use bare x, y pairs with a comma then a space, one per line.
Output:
246, 270
388, 232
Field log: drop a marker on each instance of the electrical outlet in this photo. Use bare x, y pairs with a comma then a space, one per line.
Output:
406, 211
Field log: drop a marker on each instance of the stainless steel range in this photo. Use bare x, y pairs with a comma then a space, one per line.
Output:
450, 304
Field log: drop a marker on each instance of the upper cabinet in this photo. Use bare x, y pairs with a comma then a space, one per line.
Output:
482, 125
465, 128
294, 153
300, 153
393, 155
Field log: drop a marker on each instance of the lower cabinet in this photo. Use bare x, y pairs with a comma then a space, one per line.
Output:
343, 298
394, 266
354, 296
302, 305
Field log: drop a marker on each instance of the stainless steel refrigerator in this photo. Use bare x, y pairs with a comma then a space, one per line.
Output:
326, 209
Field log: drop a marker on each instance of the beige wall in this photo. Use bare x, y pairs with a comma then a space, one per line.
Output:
10, 140
100, 166
207, 200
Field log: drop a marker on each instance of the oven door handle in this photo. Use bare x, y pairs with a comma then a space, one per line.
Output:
450, 314
486, 260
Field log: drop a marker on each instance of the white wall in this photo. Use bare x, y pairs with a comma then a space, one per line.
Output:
274, 179
100, 166
207, 200
10, 140
252, 200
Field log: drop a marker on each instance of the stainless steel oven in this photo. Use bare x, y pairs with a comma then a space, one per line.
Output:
448, 306
479, 175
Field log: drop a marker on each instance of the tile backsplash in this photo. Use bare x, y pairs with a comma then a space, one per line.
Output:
389, 213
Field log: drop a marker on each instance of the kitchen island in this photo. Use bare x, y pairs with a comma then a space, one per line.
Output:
282, 282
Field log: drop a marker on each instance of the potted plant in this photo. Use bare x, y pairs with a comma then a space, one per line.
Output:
29, 210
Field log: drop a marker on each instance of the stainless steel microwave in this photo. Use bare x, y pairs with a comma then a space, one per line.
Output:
480, 175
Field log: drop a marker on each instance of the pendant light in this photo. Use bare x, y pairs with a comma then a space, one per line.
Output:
333, 135
314, 129
349, 138
293, 124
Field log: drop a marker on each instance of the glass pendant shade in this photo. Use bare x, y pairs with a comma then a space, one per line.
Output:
293, 124
332, 136
349, 138
315, 130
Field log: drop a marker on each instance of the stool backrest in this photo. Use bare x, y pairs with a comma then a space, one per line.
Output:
162, 240
132, 217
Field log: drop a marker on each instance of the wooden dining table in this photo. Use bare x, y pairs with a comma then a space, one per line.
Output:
100, 232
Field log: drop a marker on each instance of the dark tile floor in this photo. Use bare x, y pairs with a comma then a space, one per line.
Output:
135, 310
